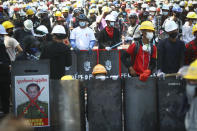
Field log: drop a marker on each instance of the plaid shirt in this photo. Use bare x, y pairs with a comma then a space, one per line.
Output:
191, 52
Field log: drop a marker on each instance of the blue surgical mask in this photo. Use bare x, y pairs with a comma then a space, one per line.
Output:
165, 13
82, 24
112, 24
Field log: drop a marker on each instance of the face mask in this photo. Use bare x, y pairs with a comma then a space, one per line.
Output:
149, 35
82, 24
173, 35
146, 48
190, 92
165, 13
112, 24
152, 13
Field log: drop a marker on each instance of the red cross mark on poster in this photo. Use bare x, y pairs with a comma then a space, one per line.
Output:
32, 101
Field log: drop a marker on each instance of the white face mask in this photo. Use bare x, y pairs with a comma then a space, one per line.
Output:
190, 92
149, 35
152, 13
146, 48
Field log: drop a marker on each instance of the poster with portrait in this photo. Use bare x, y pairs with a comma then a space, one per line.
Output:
32, 99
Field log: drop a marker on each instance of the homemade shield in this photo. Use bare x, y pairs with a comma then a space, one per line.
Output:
171, 100
85, 64
104, 105
110, 59
140, 105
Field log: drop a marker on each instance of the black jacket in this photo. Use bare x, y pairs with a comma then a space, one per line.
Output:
105, 41
60, 56
170, 55
4, 64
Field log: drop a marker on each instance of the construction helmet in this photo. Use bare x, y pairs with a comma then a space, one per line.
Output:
170, 25
99, 69
191, 73
148, 0
58, 29
30, 12
2, 30
43, 29
28, 24
147, 25
67, 77
92, 11
182, 4
110, 18
194, 29
8, 25
153, 9
65, 10
58, 13
192, 15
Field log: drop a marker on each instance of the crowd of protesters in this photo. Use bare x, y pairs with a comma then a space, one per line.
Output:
160, 36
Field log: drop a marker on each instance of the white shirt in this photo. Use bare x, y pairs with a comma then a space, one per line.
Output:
11, 44
135, 34
82, 37
187, 33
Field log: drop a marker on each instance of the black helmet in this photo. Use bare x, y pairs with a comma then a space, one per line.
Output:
82, 17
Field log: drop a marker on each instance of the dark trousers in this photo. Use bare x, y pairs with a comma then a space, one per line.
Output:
5, 96
5, 80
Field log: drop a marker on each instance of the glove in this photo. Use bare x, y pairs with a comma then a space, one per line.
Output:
144, 76
76, 50
161, 74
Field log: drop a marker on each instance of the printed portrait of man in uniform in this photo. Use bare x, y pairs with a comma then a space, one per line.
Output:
34, 108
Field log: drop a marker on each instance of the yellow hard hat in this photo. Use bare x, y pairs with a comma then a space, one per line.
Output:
190, 4
194, 29
65, 9
147, 25
148, 0
92, 1
58, 13
192, 71
67, 77
105, 9
30, 12
8, 25
99, 69
92, 11
186, 3
100, 1
192, 15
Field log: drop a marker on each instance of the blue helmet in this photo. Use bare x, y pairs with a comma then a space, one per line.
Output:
177, 9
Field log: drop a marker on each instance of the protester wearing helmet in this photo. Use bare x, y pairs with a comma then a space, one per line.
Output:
101, 23
142, 53
190, 74
187, 27
5, 80
99, 72
31, 16
82, 37
109, 36
92, 16
58, 53
67, 16
74, 21
133, 30
170, 51
191, 48
11, 44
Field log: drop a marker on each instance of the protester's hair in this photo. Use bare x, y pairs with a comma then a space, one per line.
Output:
32, 84
11, 123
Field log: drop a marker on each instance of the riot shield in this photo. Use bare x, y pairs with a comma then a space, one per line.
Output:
171, 97
104, 105
140, 105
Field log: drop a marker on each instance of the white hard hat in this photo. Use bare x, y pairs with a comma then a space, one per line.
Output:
28, 24
170, 25
43, 29
165, 7
182, 3
145, 6
114, 13
2, 30
58, 29
152, 9
110, 18
194, 2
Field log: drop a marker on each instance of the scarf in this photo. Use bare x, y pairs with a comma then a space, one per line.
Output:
110, 31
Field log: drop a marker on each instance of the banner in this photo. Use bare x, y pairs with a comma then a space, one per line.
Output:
32, 99
110, 59
85, 64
